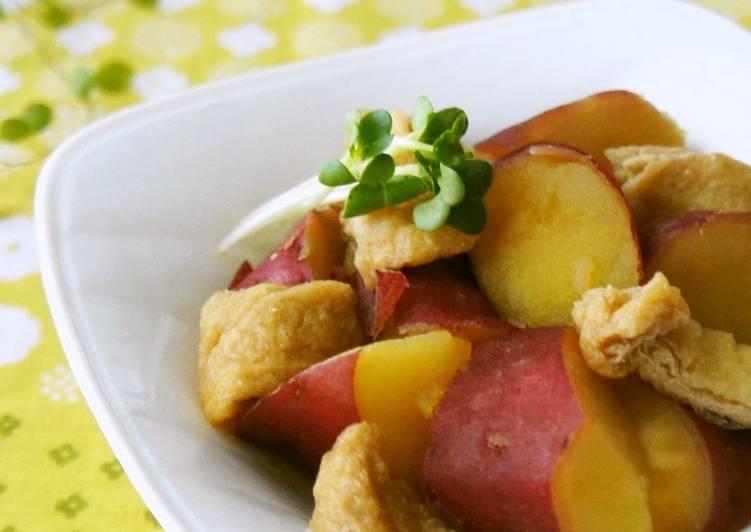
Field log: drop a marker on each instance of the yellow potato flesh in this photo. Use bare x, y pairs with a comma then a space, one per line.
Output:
676, 458
397, 385
599, 483
556, 228
711, 264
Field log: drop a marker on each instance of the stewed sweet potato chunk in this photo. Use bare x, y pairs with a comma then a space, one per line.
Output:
592, 124
557, 226
707, 256
313, 251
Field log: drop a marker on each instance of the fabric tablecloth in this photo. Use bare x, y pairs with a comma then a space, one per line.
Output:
64, 63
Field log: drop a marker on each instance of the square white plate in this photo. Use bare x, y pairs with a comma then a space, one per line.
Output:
130, 210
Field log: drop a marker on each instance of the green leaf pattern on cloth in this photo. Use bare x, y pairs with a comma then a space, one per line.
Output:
64, 63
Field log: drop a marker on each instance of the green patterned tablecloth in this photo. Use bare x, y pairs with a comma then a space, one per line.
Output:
64, 63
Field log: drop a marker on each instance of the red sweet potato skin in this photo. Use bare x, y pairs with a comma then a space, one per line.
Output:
375, 308
498, 433
730, 453
242, 272
283, 267
305, 415
441, 296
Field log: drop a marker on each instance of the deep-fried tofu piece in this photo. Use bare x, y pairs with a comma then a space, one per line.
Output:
659, 181
650, 329
355, 492
254, 339
388, 239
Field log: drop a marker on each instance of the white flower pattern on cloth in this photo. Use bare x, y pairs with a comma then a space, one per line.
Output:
84, 38
166, 40
18, 256
159, 81
20, 332
328, 6
174, 6
8, 80
253, 9
13, 5
11, 155
486, 7
59, 385
324, 36
401, 34
412, 12
247, 40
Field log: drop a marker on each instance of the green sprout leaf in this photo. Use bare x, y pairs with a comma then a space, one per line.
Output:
373, 133
448, 149
460, 125
432, 214
476, 175
334, 173
14, 129
452, 187
351, 124
423, 109
451, 119
364, 199
434, 164
83, 82
37, 116
113, 77
403, 188
379, 170
469, 216
56, 15
427, 163
145, 3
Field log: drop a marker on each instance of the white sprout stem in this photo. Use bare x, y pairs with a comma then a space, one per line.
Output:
407, 169
399, 144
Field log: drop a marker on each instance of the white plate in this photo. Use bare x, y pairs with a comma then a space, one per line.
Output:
129, 211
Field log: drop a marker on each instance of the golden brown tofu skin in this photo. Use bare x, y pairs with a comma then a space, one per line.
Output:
388, 239
650, 329
355, 492
663, 182
253, 340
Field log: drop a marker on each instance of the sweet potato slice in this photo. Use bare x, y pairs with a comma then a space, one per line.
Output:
397, 385
438, 296
708, 257
557, 226
686, 470
603, 120
376, 307
313, 251
304, 416
441, 296
527, 438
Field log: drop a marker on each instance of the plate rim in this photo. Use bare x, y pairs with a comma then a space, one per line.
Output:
166, 507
